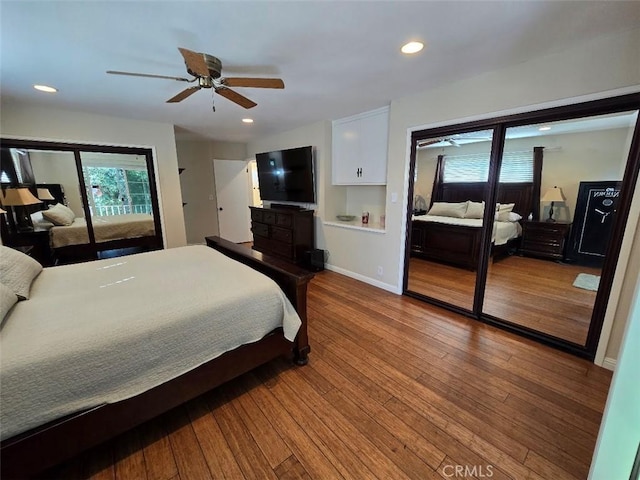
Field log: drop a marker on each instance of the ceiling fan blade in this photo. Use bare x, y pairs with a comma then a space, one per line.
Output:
426, 143
195, 63
236, 97
147, 75
183, 94
254, 82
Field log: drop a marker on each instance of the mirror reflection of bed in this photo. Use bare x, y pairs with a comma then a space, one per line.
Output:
118, 217
538, 287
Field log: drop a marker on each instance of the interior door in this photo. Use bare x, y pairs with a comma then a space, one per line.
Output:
232, 192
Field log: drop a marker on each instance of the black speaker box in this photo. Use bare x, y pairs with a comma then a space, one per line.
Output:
316, 260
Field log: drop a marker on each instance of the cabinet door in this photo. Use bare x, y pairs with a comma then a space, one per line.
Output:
346, 152
359, 153
373, 148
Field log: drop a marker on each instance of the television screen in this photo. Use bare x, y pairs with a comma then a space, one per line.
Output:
286, 175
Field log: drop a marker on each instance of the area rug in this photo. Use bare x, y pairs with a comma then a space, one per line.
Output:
587, 281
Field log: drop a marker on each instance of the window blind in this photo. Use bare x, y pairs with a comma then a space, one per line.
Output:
517, 167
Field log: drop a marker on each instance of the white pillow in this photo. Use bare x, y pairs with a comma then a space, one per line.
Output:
474, 209
502, 210
59, 215
18, 271
7, 300
446, 209
508, 217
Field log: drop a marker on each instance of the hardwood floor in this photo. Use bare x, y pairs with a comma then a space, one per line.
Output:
394, 389
534, 293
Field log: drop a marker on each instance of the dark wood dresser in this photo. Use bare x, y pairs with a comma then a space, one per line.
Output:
283, 232
544, 239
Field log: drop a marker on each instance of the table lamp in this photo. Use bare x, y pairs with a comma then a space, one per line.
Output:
18, 198
553, 195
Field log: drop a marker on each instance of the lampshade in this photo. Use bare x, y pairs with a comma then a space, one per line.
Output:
553, 195
2, 211
18, 197
45, 194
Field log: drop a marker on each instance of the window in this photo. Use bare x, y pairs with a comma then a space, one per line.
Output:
117, 191
517, 167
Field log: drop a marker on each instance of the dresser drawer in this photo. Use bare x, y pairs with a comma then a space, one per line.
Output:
282, 234
281, 249
260, 229
256, 215
269, 217
284, 220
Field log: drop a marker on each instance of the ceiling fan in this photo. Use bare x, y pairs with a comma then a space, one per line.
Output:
207, 71
452, 141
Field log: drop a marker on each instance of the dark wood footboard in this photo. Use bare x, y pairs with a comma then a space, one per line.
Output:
453, 244
30, 453
293, 281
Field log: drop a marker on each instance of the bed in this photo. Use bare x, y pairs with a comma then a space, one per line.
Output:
168, 344
70, 239
455, 239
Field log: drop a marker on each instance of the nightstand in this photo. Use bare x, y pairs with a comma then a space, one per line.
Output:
544, 239
37, 239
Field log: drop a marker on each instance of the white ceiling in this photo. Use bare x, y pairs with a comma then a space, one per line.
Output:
336, 58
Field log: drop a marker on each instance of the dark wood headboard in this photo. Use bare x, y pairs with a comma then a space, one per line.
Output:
526, 196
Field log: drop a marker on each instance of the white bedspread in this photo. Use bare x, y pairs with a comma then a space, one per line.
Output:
502, 231
104, 331
105, 228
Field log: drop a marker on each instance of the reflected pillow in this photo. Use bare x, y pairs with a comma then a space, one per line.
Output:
502, 211
446, 209
474, 209
38, 220
59, 215
7, 300
508, 217
18, 271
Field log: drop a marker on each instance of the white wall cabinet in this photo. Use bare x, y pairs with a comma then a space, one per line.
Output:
359, 152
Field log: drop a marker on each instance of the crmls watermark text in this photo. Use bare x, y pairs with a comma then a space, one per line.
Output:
462, 471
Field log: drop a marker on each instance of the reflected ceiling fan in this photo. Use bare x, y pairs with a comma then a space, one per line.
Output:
206, 70
451, 140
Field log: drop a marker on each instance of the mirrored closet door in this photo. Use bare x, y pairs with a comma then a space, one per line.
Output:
552, 190
86, 201
550, 284
449, 197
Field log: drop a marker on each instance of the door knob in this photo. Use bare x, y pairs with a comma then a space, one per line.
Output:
220, 208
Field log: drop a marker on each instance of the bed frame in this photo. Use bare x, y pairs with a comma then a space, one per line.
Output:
460, 245
32, 452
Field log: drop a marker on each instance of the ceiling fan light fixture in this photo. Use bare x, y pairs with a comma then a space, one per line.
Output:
247, 120
545, 128
45, 88
412, 47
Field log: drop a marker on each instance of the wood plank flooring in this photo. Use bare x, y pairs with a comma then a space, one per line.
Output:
534, 293
394, 389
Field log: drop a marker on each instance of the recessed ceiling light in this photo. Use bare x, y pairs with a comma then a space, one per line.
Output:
545, 128
412, 47
45, 88
247, 120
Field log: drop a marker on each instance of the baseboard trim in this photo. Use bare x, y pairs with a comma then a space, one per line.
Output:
609, 363
362, 278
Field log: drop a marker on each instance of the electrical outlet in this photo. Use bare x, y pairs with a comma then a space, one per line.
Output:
380, 270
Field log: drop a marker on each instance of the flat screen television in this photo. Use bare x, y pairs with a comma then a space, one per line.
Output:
286, 175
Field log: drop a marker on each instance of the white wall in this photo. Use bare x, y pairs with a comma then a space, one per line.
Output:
42, 123
59, 167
